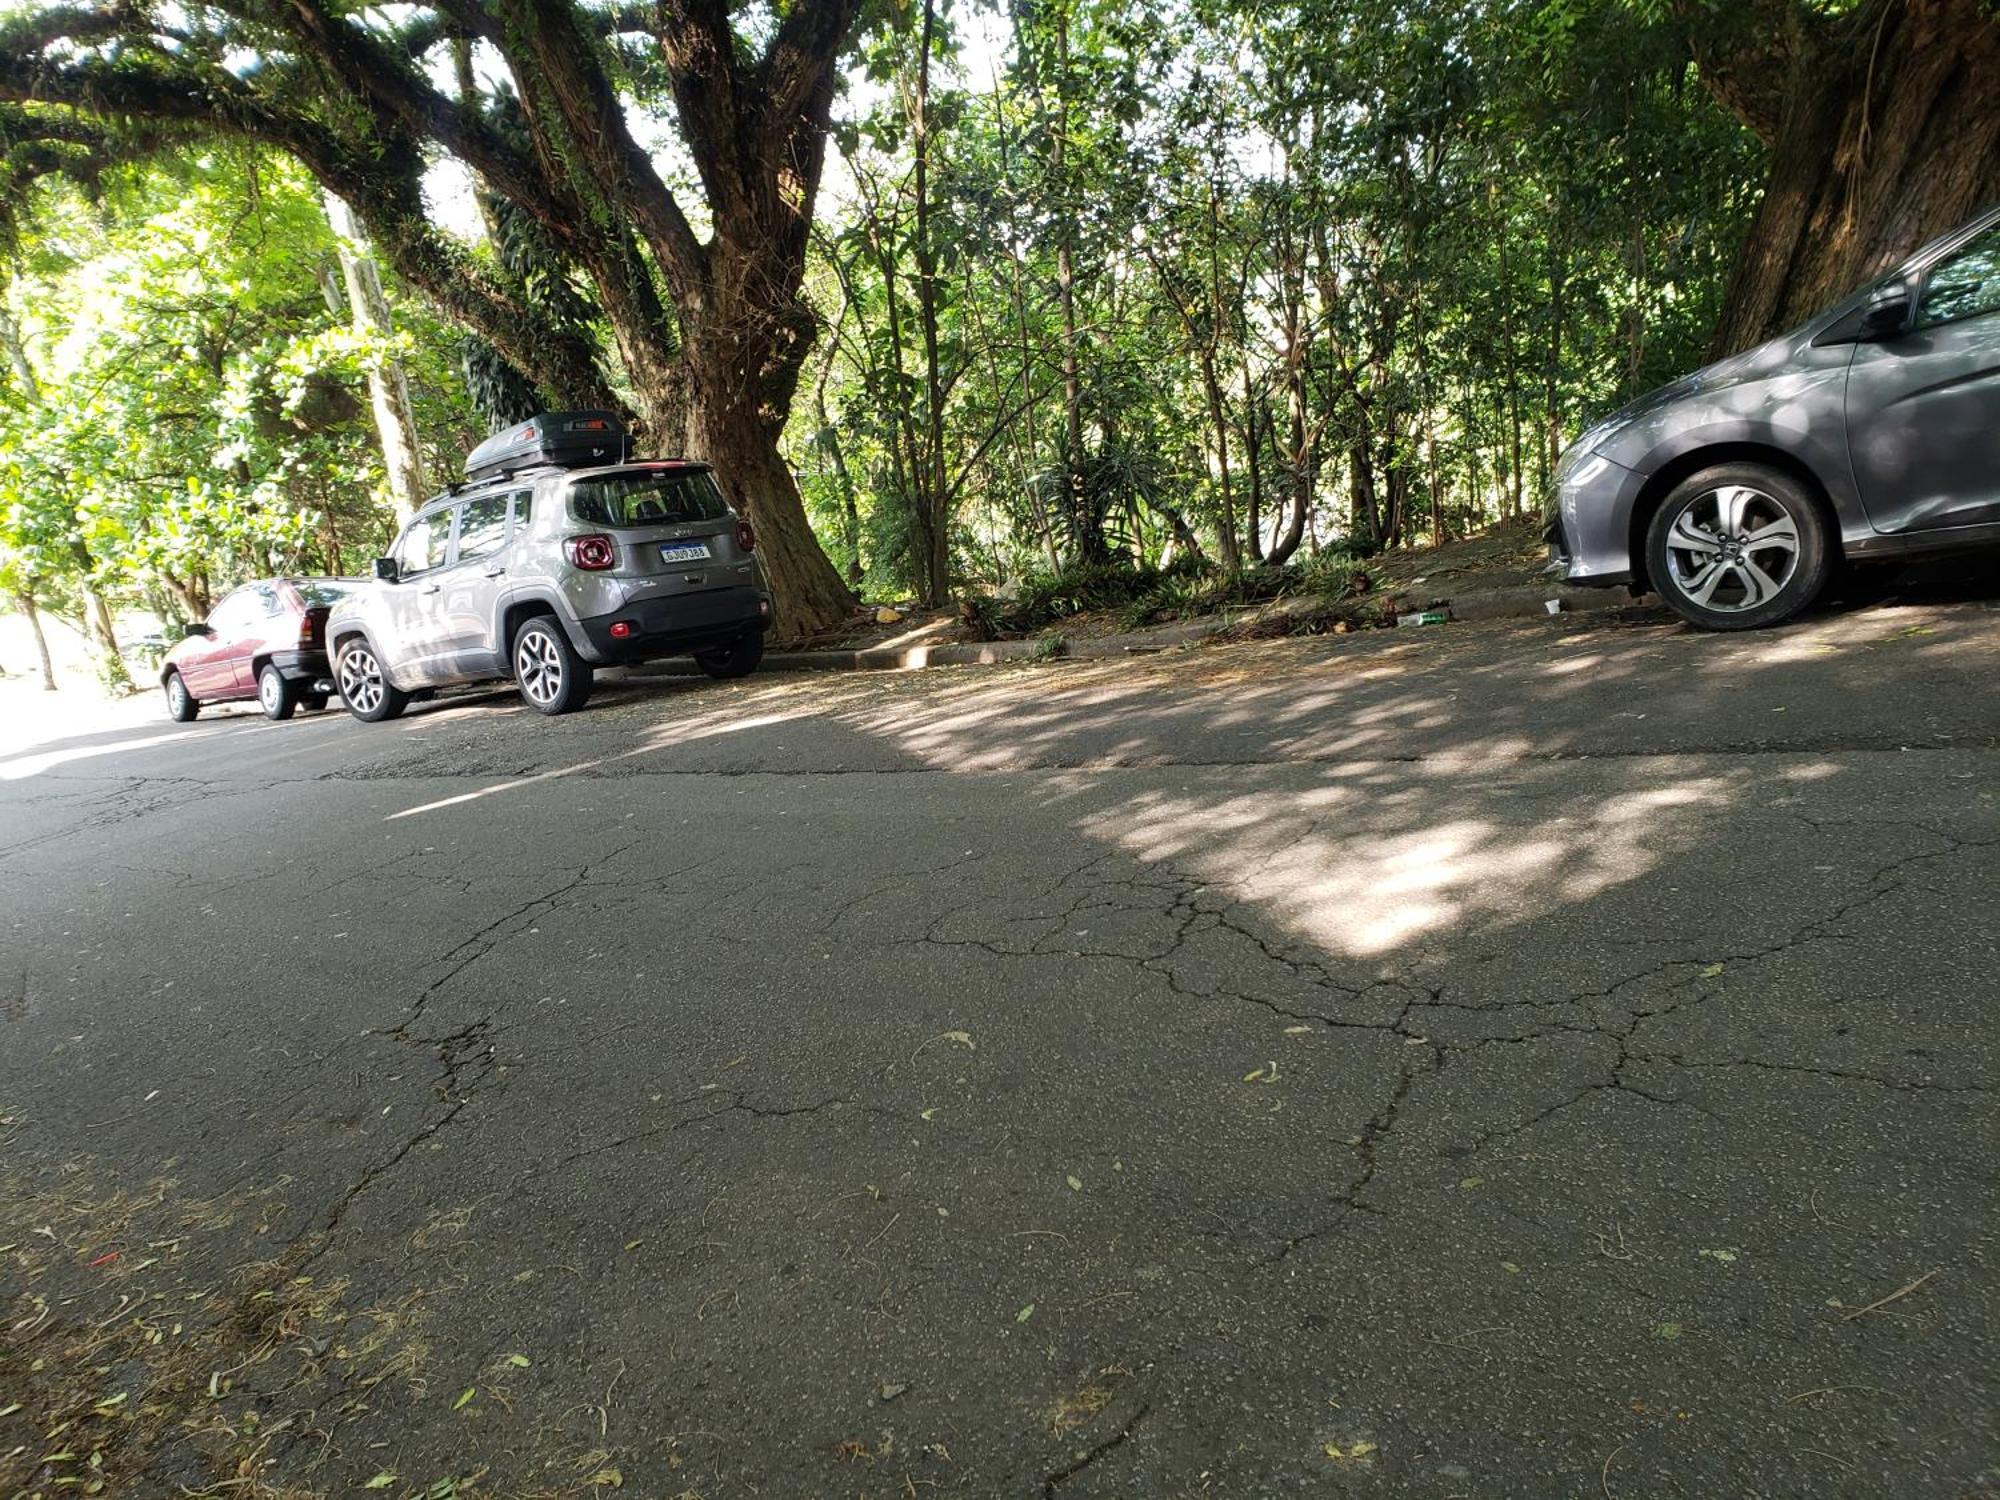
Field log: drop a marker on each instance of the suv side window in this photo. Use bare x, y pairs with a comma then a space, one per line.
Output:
426, 544
482, 527
1966, 286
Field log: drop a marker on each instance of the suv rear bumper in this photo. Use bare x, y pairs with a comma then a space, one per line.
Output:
672, 627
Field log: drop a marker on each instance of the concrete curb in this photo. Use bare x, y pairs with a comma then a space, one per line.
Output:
1482, 604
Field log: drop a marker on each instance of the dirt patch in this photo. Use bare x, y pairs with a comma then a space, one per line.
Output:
1509, 555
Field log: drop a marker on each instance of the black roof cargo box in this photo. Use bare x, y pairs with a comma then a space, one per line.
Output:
567, 439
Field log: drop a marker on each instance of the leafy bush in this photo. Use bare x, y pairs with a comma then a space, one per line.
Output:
1145, 596
1172, 598
1329, 573
1045, 597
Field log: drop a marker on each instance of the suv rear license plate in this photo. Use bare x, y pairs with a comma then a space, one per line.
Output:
684, 552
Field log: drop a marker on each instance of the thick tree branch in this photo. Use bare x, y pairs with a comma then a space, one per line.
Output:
1746, 51
799, 64
700, 53
381, 181
551, 42
402, 98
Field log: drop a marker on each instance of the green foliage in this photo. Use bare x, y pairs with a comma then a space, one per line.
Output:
1329, 573
192, 412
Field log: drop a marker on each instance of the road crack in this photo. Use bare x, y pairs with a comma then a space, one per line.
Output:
1084, 1460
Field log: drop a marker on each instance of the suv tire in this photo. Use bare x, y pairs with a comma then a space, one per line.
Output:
181, 704
274, 694
1737, 547
364, 685
738, 659
553, 679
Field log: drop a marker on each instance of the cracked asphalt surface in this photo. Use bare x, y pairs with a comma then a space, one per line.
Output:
1531, 1060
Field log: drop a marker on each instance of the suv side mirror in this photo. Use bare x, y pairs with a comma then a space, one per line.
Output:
1885, 314
386, 569
1882, 316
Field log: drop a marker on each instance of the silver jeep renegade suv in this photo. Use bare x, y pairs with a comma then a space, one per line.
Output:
543, 573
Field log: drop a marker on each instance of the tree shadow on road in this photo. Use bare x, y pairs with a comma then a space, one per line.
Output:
1411, 1064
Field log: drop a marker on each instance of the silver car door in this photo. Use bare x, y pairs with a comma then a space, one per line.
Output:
472, 588
1923, 406
413, 601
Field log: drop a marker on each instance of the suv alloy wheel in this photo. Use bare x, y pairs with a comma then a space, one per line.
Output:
552, 677
365, 687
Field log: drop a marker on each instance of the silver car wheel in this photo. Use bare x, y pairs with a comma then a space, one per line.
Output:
361, 679
1732, 549
177, 694
538, 666
269, 691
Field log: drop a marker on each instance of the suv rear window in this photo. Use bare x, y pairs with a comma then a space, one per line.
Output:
657, 498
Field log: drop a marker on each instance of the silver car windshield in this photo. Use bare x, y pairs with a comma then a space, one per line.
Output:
665, 497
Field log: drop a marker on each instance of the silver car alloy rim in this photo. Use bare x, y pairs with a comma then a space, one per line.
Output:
177, 693
1732, 549
539, 666
360, 679
268, 689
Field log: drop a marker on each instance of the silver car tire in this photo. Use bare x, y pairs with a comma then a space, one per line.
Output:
553, 679
1738, 547
364, 684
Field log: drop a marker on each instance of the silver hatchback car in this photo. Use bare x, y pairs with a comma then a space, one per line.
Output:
544, 571
1870, 433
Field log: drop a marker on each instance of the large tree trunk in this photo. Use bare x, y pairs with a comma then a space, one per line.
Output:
1225, 535
734, 422
1884, 128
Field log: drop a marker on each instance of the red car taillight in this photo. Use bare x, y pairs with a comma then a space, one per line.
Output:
594, 554
746, 536
312, 629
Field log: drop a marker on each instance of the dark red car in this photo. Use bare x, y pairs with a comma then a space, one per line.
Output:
266, 640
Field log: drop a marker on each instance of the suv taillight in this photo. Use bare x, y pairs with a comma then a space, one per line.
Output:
746, 536
594, 554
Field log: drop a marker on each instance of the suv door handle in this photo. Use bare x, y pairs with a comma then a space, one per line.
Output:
432, 589
495, 572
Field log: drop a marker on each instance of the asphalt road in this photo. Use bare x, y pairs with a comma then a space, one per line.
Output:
1545, 1060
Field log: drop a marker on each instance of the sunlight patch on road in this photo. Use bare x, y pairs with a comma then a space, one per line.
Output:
23, 766
1363, 874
